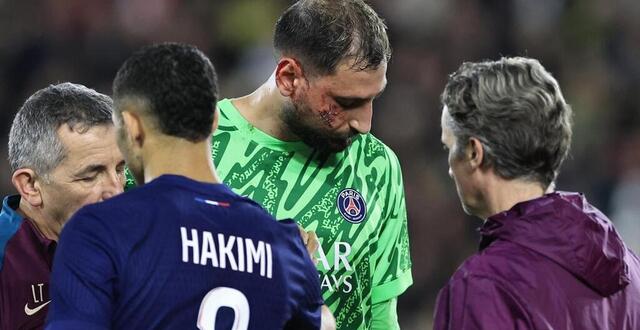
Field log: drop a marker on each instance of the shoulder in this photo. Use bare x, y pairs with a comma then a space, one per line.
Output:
381, 162
371, 146
301, 273
10, 219
117, 211
17, 245
633, 266
497, 273
373, 153
288, 239
10, 224
228, 114
133, 200
475, 297
290, 229
162, 192
506, 264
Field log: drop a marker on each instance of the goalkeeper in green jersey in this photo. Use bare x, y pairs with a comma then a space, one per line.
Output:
300, 146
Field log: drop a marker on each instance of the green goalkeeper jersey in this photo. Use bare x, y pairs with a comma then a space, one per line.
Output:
353, 200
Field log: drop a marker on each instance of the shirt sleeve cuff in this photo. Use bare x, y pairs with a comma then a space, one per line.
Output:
386, 291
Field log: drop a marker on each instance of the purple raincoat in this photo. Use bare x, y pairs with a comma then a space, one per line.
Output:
554, 262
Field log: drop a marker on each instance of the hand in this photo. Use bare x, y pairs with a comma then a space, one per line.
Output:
310, 240
327, 321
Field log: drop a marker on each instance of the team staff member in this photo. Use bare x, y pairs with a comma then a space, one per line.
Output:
548, 259
63, 155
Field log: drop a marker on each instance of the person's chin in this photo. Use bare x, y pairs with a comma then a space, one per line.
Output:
466, 209
338, 145
465, 205
473, 211
329, 145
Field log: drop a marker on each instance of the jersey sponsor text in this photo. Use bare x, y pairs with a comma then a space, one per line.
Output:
337, 275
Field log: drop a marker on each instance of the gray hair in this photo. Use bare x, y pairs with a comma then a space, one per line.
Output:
33, 139
515, 108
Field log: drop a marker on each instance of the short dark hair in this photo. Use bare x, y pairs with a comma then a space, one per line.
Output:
179, 85
33, 139
322, 33
517, 111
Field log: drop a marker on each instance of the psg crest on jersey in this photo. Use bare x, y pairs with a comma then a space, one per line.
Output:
351, 205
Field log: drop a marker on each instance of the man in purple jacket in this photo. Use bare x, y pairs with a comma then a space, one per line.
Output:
547, 259
63, 155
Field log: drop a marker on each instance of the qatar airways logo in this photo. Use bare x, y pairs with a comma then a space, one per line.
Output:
335, 261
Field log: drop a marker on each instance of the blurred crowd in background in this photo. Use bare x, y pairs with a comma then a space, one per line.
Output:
592, 47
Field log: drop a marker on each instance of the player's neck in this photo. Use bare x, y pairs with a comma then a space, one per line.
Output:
262, 110
501, 195
47, 227
179, 157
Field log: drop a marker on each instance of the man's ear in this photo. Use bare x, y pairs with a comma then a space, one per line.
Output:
289, 76
132, 122
475, 153
28, 186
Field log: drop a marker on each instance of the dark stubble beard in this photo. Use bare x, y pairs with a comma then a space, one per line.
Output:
299, 119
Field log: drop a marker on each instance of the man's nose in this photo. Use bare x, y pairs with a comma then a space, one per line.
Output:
361, 120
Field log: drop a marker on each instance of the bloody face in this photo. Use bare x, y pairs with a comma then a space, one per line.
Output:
331, 110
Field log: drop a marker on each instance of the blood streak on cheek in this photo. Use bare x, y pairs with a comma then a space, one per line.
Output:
329, 116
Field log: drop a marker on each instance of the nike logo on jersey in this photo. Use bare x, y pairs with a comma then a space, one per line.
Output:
30, 311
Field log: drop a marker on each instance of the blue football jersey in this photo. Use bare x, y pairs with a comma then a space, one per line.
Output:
181, 254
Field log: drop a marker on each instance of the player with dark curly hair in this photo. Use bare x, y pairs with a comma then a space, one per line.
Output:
182, 250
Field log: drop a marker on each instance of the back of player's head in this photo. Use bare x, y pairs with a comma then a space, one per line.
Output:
33, 139
322, 33
517, 111
177, 84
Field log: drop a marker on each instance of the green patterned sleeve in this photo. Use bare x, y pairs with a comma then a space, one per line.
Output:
392, 263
